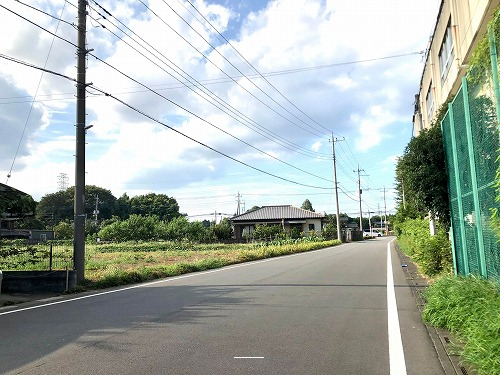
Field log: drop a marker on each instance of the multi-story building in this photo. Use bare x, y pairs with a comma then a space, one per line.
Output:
459, 27
461, 69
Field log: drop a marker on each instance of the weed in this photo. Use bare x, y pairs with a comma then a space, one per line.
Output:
470, 308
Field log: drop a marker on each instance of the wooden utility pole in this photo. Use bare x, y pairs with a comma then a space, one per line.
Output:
339, 235
385, 215
79, 208
359, 194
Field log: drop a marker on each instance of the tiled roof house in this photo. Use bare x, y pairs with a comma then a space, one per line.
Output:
288, 217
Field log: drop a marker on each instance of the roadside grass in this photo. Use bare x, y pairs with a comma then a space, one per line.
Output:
470, 309
121, 264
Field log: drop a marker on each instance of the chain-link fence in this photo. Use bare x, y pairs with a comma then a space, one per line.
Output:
471, 138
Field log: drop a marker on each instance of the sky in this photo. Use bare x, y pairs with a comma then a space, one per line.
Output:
212, 102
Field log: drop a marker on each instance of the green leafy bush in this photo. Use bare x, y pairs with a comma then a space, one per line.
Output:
63, 231
265, 232
135, 228
431, 253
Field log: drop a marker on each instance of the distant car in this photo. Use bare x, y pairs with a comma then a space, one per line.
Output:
373, 234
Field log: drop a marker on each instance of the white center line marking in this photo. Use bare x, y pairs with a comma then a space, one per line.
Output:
397, 364
248, 357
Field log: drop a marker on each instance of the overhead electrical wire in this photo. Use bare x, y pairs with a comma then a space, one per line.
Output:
204, 144
166, 125
250, 64
219, 100
9, 174
31, 65
40, 27
205, 82
59, 20
202, 119
227, 75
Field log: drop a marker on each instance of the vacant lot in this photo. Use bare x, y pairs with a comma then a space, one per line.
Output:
123, 263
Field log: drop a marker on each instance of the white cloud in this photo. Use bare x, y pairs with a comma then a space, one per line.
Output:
368, 103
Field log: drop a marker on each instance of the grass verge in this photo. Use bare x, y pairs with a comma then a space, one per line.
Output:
470, 309
107, 269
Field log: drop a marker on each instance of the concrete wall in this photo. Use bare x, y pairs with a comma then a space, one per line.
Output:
468, 20
37, 281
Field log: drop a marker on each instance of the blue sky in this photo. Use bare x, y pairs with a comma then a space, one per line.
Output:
287, 76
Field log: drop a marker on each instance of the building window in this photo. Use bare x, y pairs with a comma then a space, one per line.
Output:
311, 227
446, 53
429, 103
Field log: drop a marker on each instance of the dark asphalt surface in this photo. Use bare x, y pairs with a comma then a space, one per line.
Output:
322, 312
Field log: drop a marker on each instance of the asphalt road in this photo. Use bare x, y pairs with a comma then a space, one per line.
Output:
321, 312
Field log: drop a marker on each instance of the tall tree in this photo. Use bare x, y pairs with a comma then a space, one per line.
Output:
122, 207
421, 177
55, 207
160, 205
307, 205
59, 205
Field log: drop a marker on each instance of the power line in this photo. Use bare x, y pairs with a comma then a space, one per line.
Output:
252, 66
13, 59
34, 97
227, 75
203, 144
170, 127
40, 27
58, 19
211, 94
200, 118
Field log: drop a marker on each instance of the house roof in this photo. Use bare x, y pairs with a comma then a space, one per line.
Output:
6, 188
277, 213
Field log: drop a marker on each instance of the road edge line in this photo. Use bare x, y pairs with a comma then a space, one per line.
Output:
397, 364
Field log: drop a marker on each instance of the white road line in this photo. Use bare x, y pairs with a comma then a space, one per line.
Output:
165, 280
248, 357
397, 364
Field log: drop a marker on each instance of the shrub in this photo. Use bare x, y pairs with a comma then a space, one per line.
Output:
268, 232
431, 253
329, 231
63, 231
135, 228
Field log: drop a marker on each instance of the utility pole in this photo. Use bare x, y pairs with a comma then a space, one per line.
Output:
62, 181
339, 235
370, 221
380, 213
359, 194
238, 208
79, 208
385, 216
96, 211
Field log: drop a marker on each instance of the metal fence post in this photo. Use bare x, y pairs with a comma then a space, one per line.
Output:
472, 161
458, 187
50, 257
494, 69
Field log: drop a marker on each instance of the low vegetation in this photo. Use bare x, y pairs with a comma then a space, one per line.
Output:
112, 264
469, 308
432, 254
